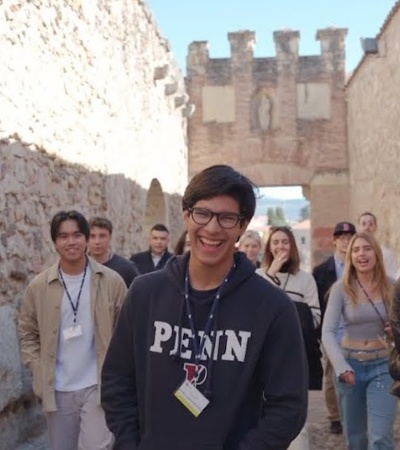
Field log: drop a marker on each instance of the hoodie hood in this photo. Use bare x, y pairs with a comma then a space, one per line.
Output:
177, 266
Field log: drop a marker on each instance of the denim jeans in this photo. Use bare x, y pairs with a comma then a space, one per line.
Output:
367, 409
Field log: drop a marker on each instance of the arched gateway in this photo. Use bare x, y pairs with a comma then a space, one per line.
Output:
281, 120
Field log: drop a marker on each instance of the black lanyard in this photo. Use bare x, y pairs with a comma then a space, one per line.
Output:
199, 344
76, 306
372, 303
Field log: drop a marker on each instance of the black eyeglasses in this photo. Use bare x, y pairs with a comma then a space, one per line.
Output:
202, 216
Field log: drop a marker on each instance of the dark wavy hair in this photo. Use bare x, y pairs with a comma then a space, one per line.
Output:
101, 222
221, 180
62, 216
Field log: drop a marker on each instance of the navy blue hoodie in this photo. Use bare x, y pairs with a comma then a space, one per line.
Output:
256, 381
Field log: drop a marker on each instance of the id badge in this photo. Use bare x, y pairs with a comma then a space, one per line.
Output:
72, 332
191, 398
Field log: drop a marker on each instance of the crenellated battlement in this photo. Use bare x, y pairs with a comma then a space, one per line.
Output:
287, 44
286, 109
287, 58
198, 54
281, 119
333, 47
242, 47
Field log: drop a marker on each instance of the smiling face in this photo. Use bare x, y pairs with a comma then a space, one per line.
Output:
280, 245
70, 243
212, 246
367, 224
363, 256
251, 248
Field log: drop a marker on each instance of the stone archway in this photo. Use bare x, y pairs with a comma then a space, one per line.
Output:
281, 121
155, 210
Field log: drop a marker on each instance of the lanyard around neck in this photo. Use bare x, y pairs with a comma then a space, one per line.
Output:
199, 344
76, 306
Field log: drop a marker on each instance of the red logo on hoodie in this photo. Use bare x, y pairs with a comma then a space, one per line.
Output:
190, 370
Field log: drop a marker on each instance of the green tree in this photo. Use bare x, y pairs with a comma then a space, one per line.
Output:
280, 215
304, 213
271, 216
276, 217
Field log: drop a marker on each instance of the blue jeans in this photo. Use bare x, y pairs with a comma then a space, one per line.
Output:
367, 409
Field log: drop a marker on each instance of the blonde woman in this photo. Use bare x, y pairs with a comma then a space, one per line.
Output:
250, 244
362, 298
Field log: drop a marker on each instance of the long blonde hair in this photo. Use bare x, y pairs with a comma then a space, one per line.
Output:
380, 279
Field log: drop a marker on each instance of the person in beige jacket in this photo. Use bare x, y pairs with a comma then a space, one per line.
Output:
66, 321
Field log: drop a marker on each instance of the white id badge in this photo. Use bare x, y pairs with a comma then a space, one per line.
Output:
72, 332
191, 398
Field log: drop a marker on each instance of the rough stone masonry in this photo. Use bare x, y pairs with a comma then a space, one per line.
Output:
92, 116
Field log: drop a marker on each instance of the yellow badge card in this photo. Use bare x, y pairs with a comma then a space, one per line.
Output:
191, 398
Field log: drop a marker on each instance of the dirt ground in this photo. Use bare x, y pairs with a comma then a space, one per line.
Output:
320, 438
318, 427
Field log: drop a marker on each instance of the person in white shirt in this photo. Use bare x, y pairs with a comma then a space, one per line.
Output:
281, 267
66, 321
157, 255
367, 223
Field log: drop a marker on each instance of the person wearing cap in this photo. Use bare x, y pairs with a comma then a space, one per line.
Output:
325, 275
367, 223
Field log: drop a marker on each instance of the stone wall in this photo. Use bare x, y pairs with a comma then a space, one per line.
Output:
374, 133
281, 120
94, 83
92, 117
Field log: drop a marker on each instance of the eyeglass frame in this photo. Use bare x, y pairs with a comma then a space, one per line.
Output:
218, 215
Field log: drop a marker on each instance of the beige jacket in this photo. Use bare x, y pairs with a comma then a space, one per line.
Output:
39, 322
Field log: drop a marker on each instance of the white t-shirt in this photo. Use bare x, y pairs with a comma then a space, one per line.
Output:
76, 366
300, 287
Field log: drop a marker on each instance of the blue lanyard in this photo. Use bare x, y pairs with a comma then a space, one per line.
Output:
76, 306
199, 344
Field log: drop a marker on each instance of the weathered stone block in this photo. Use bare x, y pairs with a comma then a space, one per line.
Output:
10, 362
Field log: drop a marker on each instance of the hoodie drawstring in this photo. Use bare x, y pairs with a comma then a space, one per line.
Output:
208, 387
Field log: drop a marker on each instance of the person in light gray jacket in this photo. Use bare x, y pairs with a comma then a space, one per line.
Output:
362, 299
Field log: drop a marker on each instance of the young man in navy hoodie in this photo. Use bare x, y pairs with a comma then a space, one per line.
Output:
206, 354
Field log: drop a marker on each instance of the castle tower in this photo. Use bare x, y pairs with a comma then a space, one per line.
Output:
333, 48
281, 120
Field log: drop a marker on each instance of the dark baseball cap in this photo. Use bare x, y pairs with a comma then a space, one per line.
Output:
344, 227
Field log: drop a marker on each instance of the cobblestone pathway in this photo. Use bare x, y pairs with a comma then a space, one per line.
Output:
320, 438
